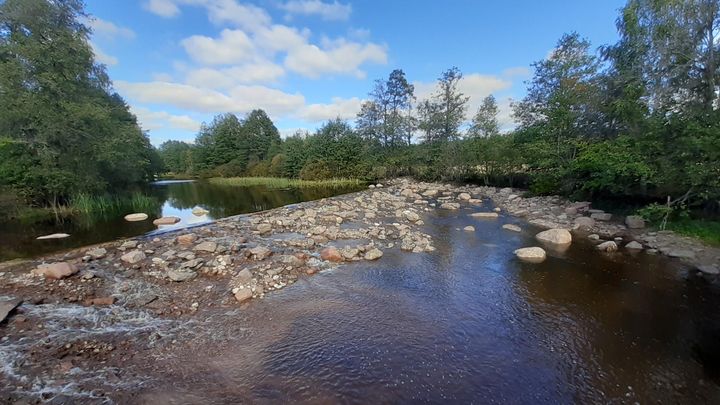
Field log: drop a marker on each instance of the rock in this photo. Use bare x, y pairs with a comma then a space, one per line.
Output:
555, 236
531, 254
634, 222
166, 221
200, 211
373, 254
464, 196
450, 206
378, 185
634, 245
243, 294
56, 271
469, 228
705, 268
609, 246
7, 306
260, 252
349, 253
484, 215
411, 216
97, 253
181, 275
580, 206
318, 230
53, 236
205, 247
406, 192
594, 236
136, 217
130, 244
264, 228
244, 276
103, 301
679, 253
584, 223
571, 211
133, 257
601, 216
331, 254
511, 227
187, 239
475, 201
430, 193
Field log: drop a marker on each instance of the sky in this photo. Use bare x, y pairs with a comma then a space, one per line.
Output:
178, 63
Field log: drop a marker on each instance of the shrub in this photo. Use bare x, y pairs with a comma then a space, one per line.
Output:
317, 170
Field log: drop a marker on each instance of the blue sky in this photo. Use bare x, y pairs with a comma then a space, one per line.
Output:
180, 62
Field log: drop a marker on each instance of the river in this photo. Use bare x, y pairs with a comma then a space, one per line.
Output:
175, 198
467, 323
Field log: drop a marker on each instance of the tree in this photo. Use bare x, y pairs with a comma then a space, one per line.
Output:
59, 108
387, 116
259, 133
442, 115
176, 156
485, 121
221, 142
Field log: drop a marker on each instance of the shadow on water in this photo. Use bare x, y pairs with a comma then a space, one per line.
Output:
465, 324
175, 198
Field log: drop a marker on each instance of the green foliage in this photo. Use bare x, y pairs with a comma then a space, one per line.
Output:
316, 170
108, 206
275, 182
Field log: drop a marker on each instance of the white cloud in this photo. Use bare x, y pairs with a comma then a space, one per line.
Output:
246, 16
151, 120
334, 11
262, 72
109, 29
280, 38
239, 99
163, 8
103, 57
162, 77
520, 71
336, 57
339, 108
233, 46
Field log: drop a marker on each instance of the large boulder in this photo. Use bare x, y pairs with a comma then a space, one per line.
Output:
373, 254
634, 222
555, 236
609, 246
133, 257
56, 271
331, 254
531, 254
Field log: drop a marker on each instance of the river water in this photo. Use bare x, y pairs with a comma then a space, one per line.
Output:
175, 198
465, 324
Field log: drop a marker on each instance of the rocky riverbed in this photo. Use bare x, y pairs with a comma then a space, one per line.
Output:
88, 312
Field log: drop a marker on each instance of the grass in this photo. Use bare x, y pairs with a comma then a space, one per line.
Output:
278, 182
705, 230
111, 205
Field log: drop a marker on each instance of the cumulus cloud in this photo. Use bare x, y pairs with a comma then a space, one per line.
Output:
246, 16
150, 120
103, 57
163, 8
345, 108
262, 72
334, 11
336, 57
109, 29
233, 46
239, 99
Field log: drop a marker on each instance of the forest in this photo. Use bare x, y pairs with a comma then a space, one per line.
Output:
637, 120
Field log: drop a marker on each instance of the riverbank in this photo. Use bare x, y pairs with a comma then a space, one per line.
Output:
183, 277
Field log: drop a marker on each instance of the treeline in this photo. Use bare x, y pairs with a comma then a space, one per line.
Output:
635, 119
63, 131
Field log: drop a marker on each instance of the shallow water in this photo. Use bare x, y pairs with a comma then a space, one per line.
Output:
176, 198
465, 324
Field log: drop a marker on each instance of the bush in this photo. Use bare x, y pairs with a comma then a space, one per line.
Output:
317, 170
259, 169
277, 165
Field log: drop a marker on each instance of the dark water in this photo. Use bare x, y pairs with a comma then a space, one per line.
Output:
175, 198
465, 324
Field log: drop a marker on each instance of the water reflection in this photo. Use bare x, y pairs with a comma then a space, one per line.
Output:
175, 198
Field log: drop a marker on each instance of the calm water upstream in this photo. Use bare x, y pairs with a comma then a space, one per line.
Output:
176, 198
465, 324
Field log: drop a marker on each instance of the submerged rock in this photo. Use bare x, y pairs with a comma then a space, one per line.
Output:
469, 228
486, 215
53, 236
531, 254
511, 227
555, 236
200, 211
136, 217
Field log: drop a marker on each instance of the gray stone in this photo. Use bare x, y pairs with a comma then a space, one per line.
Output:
484, 215
709, 269
555, 236
243, 294
469, 228
635, 222
634, 245
411, 216
244, 276
260, 252
609, 246
181, 275
206, 246
584, 223
373, 254
7, 306
511, 227
601, 216
264, 228
450, 206
97, 253
531, 254
133, 257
